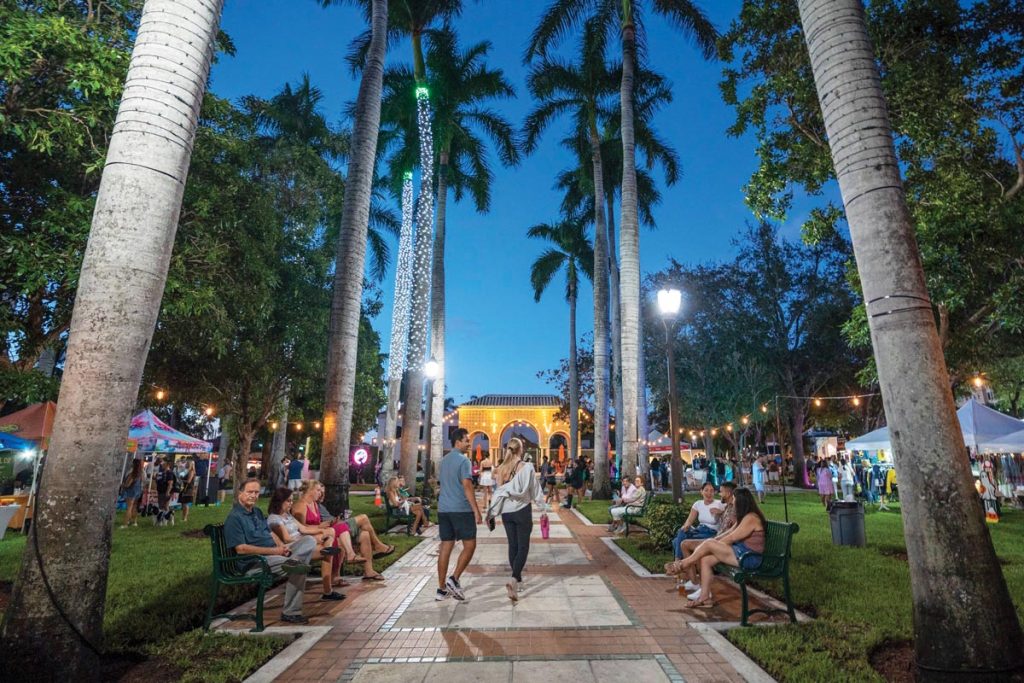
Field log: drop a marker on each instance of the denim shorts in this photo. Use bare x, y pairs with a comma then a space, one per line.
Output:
752, 559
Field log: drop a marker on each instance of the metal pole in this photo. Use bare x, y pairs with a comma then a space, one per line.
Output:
778, 446
673, 417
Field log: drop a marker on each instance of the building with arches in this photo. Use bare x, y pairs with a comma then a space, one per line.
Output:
493, 419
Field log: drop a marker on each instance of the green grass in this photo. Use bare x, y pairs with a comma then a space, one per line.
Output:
594, 510
860, 596
196, 657
158, 586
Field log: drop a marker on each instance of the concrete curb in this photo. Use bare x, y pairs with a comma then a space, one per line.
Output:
308, 636
583, 518
744, 665
635, 566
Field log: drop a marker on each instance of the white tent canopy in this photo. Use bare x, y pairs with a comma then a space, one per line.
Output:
985, 430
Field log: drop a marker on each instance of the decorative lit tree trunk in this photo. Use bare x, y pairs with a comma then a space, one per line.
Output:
602, 487
54, 623
628, 436
399, 330
412, 414
437, 319
964, 620
350, 263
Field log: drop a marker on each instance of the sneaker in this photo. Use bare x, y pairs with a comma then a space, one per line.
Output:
333, 595
691, 586
294, 619
454, 589
441, 594
695, 595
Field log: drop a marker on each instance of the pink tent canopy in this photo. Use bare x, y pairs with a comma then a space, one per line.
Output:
153, 435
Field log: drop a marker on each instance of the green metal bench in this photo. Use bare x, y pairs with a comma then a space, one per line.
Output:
396, 514
634, 513
778, 546
232, 569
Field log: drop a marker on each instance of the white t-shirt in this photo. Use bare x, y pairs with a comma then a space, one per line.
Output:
704, 515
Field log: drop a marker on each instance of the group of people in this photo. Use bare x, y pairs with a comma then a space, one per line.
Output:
400, 498
729, 531
181, 479
299, 530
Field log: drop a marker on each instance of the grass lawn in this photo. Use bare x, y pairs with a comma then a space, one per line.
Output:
859, 596
159, 585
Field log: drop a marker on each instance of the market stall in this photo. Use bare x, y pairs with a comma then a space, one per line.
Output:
153, 438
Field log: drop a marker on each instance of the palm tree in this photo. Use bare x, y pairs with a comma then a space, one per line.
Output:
462, 85
350, 262
54, 623
582, 90
572, 251
969, 629
560, 18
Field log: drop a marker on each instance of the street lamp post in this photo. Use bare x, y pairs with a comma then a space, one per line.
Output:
431, 370
669, 301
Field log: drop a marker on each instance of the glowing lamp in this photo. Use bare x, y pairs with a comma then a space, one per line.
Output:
669, 301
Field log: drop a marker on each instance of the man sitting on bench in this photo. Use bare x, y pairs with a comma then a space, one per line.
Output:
630, 498
247, 532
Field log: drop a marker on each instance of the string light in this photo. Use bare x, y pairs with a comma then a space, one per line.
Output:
273, 426
764, 408
403, 286
856, 400
423, 249
298, 426
160, 394
817, 402
978, 381
209, 411
316, 425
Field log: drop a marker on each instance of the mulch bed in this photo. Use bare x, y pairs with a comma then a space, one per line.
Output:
895, 662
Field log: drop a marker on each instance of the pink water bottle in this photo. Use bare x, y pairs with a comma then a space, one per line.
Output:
545, 526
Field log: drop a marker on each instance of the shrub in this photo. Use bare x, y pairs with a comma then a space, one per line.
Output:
663, 520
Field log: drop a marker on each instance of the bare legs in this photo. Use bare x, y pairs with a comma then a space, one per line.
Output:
706, 556
445, 556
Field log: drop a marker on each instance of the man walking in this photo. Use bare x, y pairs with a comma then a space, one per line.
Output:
246, 530
457, 515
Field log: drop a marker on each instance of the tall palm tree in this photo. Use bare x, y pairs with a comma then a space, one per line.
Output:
582, 90
561, 17
350, 262
54, 623
969, 629
572, 251
462, 85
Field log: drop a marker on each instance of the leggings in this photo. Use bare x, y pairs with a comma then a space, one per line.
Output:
518, 526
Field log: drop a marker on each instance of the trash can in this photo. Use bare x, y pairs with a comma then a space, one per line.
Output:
847, 523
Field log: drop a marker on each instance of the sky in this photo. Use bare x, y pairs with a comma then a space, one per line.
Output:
498, 337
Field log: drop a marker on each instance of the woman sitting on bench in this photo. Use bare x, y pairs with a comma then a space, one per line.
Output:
288, 529
745, 541
631, 497
408, 507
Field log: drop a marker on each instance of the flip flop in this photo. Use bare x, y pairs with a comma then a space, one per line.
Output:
706, 603
385, 553
358, 559
375, 577
341, 583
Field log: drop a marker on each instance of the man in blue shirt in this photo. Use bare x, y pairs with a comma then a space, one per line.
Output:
457, 515
295, 473
246, 530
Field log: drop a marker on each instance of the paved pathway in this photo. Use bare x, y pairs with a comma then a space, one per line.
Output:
585, 616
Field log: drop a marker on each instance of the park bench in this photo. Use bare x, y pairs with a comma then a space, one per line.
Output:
634, 513
230, 569
396, 514
778, 545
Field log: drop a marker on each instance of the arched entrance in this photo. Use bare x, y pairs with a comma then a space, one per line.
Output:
481, 445
493, 414
525, 432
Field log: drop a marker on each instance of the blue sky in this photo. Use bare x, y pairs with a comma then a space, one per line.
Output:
498, 337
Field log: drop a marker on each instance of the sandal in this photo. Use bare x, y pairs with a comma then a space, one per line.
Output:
706, 603
375, 577
356, 559
385, 553
340, 582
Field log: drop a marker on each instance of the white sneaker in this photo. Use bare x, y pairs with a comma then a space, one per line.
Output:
695, 595
691, 586
455, 589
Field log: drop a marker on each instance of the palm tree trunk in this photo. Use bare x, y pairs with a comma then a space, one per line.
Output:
616, 328
122, 281
412, 415
643, 426
628, 435
968, 626
574, 377
602, 487
350, 262
437, 319
399, 331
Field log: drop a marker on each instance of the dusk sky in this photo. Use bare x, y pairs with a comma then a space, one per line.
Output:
498, 337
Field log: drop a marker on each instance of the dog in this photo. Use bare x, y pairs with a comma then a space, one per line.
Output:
163, 518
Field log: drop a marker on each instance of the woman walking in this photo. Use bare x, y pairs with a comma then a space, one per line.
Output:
132, 487
189, 486
486, 480
518, 488
823, 475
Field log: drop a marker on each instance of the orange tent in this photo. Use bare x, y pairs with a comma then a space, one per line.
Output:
34, 422
561, 452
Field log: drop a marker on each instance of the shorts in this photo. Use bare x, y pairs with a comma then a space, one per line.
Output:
752, 559
486, 479
186, 500
456, 526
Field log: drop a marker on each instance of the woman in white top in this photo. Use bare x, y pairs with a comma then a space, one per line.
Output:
631, 498
486, 480
704, 520
517, 489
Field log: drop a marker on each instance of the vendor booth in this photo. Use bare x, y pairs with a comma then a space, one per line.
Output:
153, 438
18, 460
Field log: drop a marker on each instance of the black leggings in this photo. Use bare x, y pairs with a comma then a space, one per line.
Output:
518, 526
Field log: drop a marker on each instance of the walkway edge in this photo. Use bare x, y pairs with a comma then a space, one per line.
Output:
744, 665
582, 517
308, 636
635, 566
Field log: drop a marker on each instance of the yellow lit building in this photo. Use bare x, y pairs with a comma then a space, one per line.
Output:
492, 416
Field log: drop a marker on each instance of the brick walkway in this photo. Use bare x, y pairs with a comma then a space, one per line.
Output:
584, 616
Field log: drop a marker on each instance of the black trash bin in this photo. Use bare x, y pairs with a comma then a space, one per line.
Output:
847, 520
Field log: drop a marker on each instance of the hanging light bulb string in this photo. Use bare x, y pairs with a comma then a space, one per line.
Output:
764, 409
